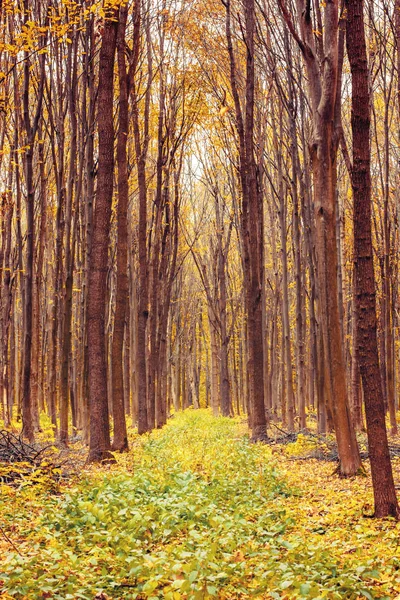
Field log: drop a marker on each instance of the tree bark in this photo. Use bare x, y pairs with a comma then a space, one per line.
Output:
99, 445
30, 130
120, 440
324, 80
141, 147
381, 469
251, 219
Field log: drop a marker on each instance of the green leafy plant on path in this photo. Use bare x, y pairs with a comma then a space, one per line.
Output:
195, 511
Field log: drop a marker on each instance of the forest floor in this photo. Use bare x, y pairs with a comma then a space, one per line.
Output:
197, 511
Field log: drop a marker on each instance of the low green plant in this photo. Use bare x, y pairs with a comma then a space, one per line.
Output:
193, 511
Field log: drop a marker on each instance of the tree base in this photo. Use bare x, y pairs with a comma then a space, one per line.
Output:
360, 472
100, 456
260, 437
120, 446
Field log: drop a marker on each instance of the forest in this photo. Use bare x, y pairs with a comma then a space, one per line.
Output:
199, 299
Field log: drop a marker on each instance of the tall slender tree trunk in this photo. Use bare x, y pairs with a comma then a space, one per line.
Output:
381, 468
222, 251
70, 228
252, 219
324, 82
324, 166
356, 391
215, 396
99, 446
301, 387
89, 120
286, 342
141, 147
30, 130
224, 369
120, 441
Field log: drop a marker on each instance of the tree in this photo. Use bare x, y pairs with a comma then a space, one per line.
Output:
99, 446
381, 468
251, 215
141, 150
31, 129
323, 57
120, 441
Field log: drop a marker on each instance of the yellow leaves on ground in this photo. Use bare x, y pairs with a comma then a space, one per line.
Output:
195, 511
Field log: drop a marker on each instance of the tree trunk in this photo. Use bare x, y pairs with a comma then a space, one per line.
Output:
99, 446
381, 469
70, 228
120, 441
301, 387
30, 130
215, 398
324, 82
141, 146
251, 220
225, 388
324, 166
89, 121
356, 392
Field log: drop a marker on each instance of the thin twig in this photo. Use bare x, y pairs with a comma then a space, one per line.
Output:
3, 533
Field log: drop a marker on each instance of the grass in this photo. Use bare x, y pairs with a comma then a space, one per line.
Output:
196, 511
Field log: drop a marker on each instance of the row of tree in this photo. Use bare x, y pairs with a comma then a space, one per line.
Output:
188, 217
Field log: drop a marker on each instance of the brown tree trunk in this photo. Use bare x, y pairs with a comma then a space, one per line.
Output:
222, 252
300, 349
381, 469
224, 368
6, 302
169, 253
30, 130
286, 348
324, 81
141, 147
120, 440
356, 392
155, 287
99, 446
89, 121
335, 373
253, 233
39, 335
215, 397
251, 220
142, 304
133, 341
70, 228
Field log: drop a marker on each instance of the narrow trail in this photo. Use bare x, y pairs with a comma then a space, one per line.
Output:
196, 511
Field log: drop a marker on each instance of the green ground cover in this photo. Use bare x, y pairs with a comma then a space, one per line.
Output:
196, 511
